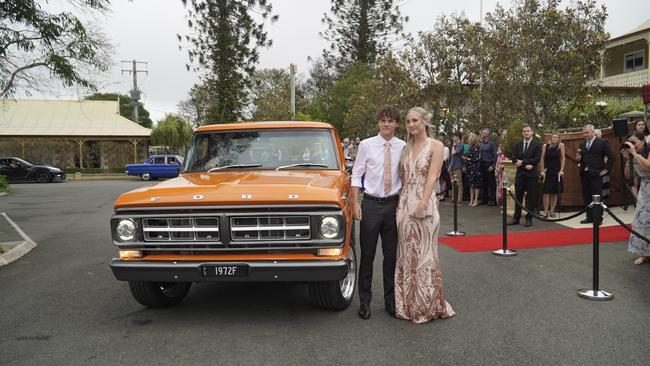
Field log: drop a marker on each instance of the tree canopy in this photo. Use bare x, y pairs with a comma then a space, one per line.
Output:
173, 132
224, 46
359, 31
37, 46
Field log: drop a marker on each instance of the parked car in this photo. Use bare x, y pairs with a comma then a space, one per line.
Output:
156, 166
260, 202
19, 170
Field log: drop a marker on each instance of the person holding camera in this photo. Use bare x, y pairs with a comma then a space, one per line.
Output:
593, 166
636, 148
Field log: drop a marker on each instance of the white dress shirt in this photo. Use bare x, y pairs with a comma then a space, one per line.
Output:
370, 161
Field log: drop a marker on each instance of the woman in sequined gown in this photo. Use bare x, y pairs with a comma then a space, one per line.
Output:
419, 293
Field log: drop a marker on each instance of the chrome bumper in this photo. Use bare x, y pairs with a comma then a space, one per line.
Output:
258, 271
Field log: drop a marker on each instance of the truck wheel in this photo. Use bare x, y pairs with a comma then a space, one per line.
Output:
43, 177
336, 295
159, 294
145, 176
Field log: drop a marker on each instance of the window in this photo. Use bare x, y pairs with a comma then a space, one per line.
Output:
269, 148
159, 160
171, 160
634, 61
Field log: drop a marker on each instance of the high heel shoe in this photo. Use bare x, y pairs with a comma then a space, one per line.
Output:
641, 260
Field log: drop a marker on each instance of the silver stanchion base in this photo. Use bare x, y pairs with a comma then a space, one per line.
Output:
595, 295
504, 253
455, 233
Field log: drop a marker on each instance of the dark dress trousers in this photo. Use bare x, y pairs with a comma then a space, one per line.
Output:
592, 162
526, 180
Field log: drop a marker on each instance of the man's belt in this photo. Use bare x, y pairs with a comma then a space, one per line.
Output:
381, 199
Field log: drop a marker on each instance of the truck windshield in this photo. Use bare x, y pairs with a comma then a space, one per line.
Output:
269, 148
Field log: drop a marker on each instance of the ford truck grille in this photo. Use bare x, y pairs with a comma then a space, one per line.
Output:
269, 228
181, 229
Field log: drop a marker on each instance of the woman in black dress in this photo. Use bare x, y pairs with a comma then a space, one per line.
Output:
473, 159
552, 173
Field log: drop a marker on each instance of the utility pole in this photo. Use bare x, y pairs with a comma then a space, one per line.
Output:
135, 92
293, 69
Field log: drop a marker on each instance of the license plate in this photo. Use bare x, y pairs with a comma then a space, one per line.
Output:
225, 271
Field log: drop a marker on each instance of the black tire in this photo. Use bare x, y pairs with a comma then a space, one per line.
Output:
329, 295
43, 176
159, 294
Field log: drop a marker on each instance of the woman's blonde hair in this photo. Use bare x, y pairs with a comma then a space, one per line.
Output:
473, 140
559, 138
425, 116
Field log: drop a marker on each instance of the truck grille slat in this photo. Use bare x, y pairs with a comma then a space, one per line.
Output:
270, 228
181, 229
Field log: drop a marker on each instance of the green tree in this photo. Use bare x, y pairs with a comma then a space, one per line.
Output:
223, 46
173, 132
389, 83
126, 107
445, 65
195, 108
538, 56
271, 95
358, 31
37, 46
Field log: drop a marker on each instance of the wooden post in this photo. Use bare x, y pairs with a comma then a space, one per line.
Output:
135, 150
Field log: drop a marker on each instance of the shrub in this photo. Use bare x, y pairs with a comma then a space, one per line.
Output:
4, 186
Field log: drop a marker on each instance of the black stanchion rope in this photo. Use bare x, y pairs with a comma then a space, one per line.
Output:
542, 218
625, 226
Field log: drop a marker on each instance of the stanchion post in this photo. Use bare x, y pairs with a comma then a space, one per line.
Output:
454, 188
504, 251
595, 293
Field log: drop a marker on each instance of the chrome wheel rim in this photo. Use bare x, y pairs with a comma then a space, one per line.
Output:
146, 176
347, 284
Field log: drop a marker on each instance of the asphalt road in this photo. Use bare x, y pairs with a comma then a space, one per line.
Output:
60, 305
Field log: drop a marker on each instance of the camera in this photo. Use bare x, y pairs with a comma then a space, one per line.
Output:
625, 147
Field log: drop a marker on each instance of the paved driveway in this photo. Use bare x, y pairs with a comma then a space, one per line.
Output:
60, 304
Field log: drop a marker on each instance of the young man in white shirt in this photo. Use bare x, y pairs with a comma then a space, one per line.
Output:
378, 159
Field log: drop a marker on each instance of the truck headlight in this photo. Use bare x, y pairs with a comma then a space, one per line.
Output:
126, 230
329, 227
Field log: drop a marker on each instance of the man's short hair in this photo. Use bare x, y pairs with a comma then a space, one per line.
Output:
388, 111
526, 125
589, 127
459, 135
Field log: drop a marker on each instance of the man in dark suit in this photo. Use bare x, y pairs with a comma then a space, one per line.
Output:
526, 154
593, 166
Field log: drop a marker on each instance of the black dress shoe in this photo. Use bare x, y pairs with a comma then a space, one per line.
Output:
586, 221
528, 223
390, 309
513, 222
364, 311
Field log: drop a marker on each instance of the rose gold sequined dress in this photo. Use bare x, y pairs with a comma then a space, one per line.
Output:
419, 295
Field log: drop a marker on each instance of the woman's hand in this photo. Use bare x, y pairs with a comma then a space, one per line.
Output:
420, 210
542, 174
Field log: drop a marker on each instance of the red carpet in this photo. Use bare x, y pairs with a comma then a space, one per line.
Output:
534, 239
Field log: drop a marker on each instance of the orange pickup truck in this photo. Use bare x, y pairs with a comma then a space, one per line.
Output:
262, 201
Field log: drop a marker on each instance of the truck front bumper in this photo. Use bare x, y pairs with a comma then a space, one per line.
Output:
257, 271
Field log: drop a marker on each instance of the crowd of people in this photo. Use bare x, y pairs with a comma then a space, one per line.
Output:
403, 182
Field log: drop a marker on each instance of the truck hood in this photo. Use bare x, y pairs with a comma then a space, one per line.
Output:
241, 188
